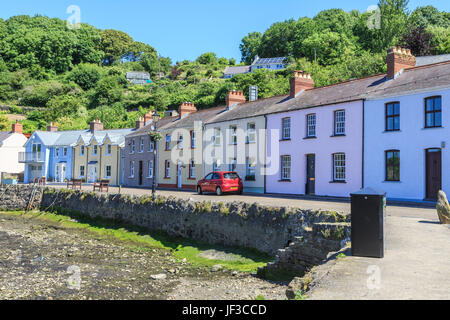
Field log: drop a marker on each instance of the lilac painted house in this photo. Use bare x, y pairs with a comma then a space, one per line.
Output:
315, 138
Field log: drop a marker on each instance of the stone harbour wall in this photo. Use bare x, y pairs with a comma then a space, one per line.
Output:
237, 224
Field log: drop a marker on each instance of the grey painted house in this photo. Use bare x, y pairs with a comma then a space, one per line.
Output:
138, 155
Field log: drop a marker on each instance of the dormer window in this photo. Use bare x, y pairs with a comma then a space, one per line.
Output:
82, 151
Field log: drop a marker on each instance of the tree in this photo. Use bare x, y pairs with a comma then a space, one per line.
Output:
114, 44
440, 40
207, 58
85, 75
336, 20
327, 46
423, 17
394, 18
419, 41
279, 39
4, 123
249, 47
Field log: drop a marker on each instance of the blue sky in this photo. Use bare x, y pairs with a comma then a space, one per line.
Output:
184, 29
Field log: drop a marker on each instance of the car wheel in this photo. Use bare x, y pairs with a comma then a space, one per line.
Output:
219, 191
199, 190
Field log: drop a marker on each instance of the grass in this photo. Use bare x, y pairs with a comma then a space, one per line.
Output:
245, 260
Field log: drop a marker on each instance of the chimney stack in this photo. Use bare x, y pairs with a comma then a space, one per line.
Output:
96, 125
139, 123
52, 127
17, 127
235, 97
186, 108
399, 59
148, 117
299, 82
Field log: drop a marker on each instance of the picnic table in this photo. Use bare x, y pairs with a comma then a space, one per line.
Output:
74, 184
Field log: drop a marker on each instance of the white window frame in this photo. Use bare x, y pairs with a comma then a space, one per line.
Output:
168, 141
150, 169
339, 164
57, 152
151, 146
192, 174
167, 169
108, 149
94, 150
132, 169
286, 128
286, 163
193, 140
250, 167
82, 151
141, 145
311, 122
106, 171
82, 171
339, 122
251, 132
65, 151
233, 134
180, 141
132, 147
217, 136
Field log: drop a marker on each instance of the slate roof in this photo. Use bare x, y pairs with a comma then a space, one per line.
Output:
237, 70
422, 61
188, 122
148, 128
138, 75
410, 81
4, 135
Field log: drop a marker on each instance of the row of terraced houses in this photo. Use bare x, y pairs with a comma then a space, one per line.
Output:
387, 131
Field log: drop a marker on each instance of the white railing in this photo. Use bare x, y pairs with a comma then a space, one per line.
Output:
26, 157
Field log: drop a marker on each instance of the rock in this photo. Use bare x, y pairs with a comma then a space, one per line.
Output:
216, 268
443, 208
235, 273
161, 276
295, 286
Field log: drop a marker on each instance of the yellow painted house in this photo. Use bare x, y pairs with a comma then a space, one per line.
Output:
180, 150
98, 154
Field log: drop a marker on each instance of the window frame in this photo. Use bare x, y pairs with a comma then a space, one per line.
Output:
167, 169
286, 130
168, 140
150, 169
434, 112
393, 151
233, 134
336, 112
283, 168
251, 132
193, 139
106, 171
393, 116
217, 137
335, 178
82, 171
309, 125
192, 173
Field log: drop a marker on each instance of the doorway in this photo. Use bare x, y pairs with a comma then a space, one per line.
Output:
92, 174
141, 173
433, 173
310, 174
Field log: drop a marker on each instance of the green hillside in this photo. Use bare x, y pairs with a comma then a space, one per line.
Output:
73, 76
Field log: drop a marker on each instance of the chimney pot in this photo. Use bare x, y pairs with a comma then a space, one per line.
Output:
300, 81
186, 108
96, 125
52, 128
17, 127
398, 59
235, 97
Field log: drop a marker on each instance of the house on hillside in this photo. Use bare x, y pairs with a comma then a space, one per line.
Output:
273, 64
11, 144
230, 72
138, 77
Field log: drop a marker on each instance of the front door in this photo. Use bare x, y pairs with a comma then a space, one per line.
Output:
311, 174
179, 175
433, 172
60, 173
92, 174
141, 173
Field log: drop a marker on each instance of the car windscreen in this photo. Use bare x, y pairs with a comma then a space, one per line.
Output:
230, 176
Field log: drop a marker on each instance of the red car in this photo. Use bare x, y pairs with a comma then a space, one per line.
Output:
220, 183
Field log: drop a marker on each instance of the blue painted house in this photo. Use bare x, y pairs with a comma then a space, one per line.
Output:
49, 154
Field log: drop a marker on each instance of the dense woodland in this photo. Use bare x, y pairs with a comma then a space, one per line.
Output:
77, 75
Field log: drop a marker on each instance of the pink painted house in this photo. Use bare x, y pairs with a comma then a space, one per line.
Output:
315, 138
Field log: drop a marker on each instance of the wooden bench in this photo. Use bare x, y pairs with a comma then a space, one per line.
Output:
74, 184
102, 185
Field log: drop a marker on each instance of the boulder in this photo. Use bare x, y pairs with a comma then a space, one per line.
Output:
443, 208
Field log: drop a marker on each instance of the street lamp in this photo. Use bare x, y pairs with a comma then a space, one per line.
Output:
154, 137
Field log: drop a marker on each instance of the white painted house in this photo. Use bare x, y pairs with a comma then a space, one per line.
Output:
11, 143
407, 130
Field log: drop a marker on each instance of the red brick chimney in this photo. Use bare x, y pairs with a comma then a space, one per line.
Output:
399, 59
17, 127
148, 117
139, 123
52, 127
299, 82
235, 97
96, 125
186, 108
